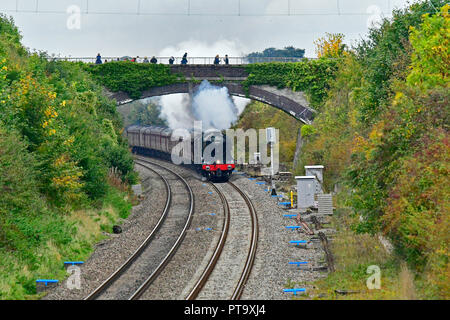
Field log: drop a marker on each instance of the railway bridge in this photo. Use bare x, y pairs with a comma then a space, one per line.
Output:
188, 77
231, 77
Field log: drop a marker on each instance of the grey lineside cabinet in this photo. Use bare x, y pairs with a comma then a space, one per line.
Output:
308, 186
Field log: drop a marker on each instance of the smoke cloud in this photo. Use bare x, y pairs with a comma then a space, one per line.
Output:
214, 107
209, 103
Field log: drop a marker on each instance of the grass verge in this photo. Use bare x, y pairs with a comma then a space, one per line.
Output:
354, 254
67, 238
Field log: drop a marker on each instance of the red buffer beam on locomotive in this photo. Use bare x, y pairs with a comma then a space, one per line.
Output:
156, 141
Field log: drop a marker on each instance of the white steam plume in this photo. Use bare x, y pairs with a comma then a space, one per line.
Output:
214, 107
210, 104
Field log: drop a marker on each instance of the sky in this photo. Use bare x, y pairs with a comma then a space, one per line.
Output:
83, 28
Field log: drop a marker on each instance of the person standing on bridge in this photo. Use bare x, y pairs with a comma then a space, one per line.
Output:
184, 60
171, 60
99, 59
226, 59
146, 60
216, 60
153, 60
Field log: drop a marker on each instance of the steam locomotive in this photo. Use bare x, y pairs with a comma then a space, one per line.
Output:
157, 141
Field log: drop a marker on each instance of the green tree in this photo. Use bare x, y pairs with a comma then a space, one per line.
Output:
146, 114
431, 56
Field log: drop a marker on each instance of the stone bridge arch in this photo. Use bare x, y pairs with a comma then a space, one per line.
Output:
293, 103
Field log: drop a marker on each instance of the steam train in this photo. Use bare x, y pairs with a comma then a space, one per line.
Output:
157, 141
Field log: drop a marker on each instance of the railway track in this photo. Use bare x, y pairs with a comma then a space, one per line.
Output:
230, 266
240, 223
217, 252
252, 248
133, 277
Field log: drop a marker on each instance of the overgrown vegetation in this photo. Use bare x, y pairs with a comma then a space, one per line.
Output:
383, 137
59, 138
309, 76
132, 78
353, 255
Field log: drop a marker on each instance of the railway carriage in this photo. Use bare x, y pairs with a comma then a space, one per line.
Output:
156, 141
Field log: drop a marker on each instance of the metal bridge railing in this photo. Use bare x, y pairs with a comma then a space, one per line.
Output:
191, 60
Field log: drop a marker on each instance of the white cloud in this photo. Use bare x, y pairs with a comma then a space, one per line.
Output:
199, 48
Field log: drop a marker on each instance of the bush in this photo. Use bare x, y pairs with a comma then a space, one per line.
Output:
312, 77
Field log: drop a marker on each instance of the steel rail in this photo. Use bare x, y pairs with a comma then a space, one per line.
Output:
253, 246
237, 293
217, 252
138, 293
94, 294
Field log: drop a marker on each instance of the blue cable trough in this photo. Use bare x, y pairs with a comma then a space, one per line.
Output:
298, 242
295, 290
46, 281
299, 263
293, 227
210, 192
290, 215
72, 263
261, 183
212, 214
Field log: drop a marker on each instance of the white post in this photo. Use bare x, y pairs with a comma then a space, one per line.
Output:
271, 139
